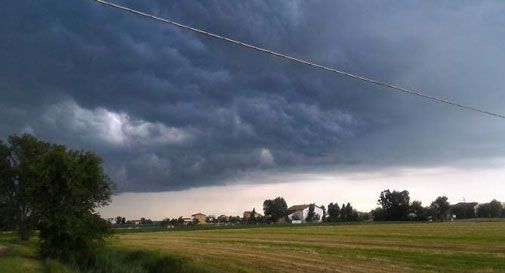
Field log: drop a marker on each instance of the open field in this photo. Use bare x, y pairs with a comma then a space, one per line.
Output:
403, 247
384, 247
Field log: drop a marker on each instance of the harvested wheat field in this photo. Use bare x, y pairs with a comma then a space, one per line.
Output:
402, 247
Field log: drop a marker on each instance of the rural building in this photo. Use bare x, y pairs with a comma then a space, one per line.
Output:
187, 221
298, 213
199, 218
135, 222
247, 214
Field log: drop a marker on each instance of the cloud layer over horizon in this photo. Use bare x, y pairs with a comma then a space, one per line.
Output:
171, 110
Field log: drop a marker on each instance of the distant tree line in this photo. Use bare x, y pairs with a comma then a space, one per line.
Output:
396, 206
172, 222
344, 213
393, 206
180, 221
120, 220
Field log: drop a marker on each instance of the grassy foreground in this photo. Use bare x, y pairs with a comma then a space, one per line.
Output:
401, 247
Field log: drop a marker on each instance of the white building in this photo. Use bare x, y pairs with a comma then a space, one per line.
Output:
298, 214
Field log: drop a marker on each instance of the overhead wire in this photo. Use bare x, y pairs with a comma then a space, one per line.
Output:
394, 87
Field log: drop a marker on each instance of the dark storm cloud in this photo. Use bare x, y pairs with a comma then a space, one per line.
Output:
170, 110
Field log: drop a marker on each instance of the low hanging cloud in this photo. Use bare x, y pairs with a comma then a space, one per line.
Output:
266, 157
102, 125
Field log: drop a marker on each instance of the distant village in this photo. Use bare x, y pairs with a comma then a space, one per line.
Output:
295, 214
393, 206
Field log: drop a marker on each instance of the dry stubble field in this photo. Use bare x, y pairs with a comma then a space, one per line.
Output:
402, 247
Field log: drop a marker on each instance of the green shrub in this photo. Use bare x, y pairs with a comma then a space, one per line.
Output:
158, 263
113, 260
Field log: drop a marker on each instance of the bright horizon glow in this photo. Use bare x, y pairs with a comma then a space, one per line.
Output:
360, 189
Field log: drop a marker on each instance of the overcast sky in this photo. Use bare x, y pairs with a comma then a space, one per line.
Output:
179, 114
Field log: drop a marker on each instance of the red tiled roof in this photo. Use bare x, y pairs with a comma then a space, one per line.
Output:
197, 214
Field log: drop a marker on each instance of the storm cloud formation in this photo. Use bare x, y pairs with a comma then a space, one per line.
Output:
170, 110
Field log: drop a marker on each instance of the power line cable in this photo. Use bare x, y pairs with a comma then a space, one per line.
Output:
305, 62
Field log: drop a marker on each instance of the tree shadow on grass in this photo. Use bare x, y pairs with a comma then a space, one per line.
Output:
139, 261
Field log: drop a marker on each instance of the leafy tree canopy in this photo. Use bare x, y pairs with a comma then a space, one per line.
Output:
333, 212
311, 215
440, 208
57, 189
395, 204
275, 209
20, 160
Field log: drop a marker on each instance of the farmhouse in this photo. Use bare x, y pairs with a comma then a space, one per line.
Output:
199, 218
298, 213
247, 214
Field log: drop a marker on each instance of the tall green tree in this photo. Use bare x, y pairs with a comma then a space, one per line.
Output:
343, 215
348, 213
395, 204
324, 213
118, 220
333, 212
464, 210
275, 209
420, 213
252, 218
73, 185
311, 214
378, 214
496, 208
492, 209
57, 189
20, 160
440, 208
